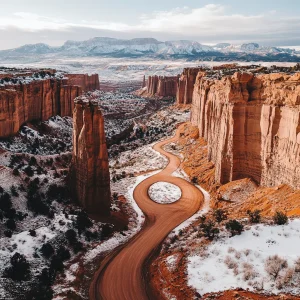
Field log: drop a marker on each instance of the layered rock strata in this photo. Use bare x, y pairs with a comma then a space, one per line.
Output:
252, 126
40, 99
161, 86
185, 86
89, 168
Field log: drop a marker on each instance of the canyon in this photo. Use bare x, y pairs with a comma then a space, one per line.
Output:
26, 96
251, 124
89, 167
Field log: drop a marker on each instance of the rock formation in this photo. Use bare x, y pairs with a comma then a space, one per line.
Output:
160, 87
185, 86
89, 168
85, 81
40, 99
252, 126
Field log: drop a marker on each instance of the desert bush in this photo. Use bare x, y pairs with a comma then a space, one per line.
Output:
235, 227
29, 172
32, 232
274, 265
297, 265
10, 224
230, 262
82, 221
5, 202
220, 215
71, 236
47, 250
14, 191
19, 269
209, 230
254, 216
280, 218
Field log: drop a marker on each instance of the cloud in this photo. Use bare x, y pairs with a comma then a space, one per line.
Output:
207, 24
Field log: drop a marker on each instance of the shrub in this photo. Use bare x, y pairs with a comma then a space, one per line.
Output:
107, 230
220, 215
8, 233
235, 227
47, 250
13, 190
56, 264
29, 172
254, 216
11, 224
209, 230
19, 269
32, 232
280, 218
5, 202
63, 253
297, 265
16, 172
83, 221
274, 264
71, 236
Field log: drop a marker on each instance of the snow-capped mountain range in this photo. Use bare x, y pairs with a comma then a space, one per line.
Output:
138, 47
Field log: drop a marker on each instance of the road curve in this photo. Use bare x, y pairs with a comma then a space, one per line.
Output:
121, 275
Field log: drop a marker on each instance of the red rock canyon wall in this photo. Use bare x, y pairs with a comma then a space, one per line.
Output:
161, 86
40, 99
252, 126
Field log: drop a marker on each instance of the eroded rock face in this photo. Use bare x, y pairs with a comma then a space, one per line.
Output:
185, 86
85, 81
252, 126
161, 86
40, 99
89, 169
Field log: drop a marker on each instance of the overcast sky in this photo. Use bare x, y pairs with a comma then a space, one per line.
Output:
275, 22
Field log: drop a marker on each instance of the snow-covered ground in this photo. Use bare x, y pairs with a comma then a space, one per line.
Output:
248, 261
164, 192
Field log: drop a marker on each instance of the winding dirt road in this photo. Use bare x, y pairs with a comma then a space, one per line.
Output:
123, 274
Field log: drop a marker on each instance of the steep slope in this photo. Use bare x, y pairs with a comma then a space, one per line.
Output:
252, 126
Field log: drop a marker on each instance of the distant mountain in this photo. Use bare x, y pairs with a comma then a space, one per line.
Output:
140, 47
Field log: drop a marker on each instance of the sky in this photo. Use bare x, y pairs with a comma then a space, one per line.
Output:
275, 23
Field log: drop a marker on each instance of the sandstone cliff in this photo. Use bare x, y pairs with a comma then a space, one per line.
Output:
89, 168
252, 126
40, 99
185, 86
161, 87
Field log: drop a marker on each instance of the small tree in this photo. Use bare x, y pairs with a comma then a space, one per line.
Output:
274, 264
47, 250
71, 236
10, 224
280, 218
19, 269
5, 202
220, 215
209, 230
83, 221
235, 227
254, 216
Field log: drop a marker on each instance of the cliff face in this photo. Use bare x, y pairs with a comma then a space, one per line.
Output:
39, 100
185, 86
252, 126
85, 81
161, 86
89, 168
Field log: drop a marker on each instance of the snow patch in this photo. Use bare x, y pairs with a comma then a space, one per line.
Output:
164, 192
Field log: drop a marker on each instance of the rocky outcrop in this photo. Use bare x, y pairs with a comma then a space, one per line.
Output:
185, 86
89, 168
40, 99
252, 126
161, 87
85, 81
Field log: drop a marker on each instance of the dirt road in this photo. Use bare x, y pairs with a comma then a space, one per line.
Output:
122, 274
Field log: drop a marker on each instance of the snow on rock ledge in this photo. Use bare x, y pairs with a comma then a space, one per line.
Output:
164, 192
